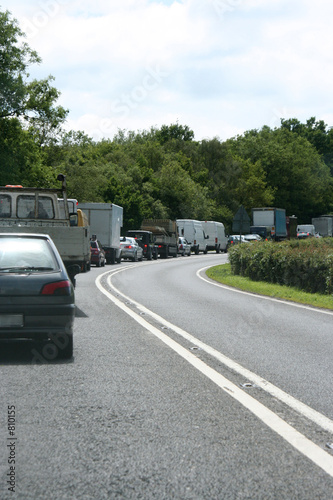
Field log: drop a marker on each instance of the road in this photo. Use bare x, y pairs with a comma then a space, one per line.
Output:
178, 388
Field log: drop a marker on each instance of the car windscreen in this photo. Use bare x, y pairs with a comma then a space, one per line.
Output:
26, 253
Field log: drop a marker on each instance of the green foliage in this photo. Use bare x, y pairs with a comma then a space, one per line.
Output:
295, 173
21, 159
33, 101
304, 264
174, 132
15, 57
157, 173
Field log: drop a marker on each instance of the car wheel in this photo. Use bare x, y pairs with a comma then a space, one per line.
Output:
103, 263
135, 258
99, 262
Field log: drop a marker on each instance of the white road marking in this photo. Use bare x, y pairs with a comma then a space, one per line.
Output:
305, 446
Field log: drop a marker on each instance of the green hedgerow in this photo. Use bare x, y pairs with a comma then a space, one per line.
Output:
304, 264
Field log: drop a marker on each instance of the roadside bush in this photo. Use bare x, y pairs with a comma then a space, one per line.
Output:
304, 264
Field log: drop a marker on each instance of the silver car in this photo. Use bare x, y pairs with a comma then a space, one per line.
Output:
184, 248
130, 249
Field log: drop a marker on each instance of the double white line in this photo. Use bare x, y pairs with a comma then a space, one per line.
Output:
301, 443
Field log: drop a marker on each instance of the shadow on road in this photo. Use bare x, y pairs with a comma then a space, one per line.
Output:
26, 353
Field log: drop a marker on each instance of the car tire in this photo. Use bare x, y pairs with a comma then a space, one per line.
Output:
135, 258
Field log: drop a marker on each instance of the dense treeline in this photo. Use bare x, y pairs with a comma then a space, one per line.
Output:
162, 173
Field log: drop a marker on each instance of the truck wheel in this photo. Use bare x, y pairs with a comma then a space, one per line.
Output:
218, 249
206, 250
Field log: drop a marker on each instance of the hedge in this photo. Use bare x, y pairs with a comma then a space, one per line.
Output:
304, 264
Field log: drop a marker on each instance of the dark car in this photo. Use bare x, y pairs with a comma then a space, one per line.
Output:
145, 240
97, 253
36, 295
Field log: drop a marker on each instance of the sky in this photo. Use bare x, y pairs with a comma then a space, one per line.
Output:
221, 67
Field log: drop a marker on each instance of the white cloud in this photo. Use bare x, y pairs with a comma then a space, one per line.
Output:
220, 66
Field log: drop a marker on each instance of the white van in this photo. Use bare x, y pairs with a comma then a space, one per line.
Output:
215, 236
193, 231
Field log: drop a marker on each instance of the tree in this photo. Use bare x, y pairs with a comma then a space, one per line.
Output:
14, 61
293, 168
31, 100
21, 159
176, 132
317, 133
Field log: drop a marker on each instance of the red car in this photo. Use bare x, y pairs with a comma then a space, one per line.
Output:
97, 253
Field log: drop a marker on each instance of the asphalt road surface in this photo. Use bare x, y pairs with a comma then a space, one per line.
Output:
178, 389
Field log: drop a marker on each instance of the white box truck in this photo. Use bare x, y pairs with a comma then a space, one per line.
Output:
323, 225
193, 231
215, 236
105, 222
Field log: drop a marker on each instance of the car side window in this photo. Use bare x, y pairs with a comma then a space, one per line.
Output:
5, 205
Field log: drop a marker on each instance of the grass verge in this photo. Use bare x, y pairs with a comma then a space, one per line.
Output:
222, 274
